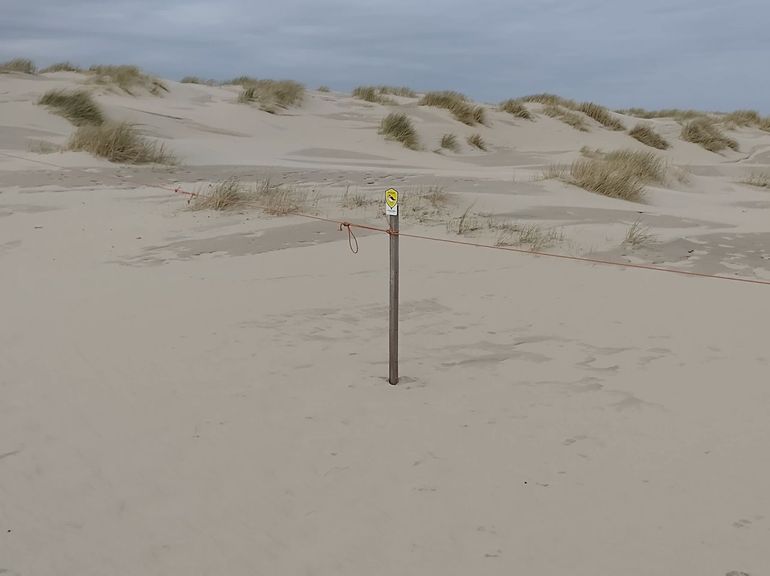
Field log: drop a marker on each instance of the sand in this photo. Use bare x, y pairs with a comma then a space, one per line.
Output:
195, 392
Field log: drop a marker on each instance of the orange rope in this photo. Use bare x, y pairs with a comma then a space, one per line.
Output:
349, 225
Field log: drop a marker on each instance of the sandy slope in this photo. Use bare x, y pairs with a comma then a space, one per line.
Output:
201, 393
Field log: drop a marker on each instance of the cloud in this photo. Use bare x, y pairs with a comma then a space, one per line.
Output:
699, 53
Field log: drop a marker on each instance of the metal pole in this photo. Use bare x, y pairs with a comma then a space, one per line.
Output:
393, 340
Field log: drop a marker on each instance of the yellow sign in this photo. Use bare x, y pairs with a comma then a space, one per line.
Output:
391, 198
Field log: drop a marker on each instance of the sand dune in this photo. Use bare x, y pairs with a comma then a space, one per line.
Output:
205, 392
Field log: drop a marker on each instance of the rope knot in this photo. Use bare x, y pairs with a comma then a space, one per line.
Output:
352, 240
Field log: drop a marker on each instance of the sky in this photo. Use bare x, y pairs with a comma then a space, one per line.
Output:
705, 54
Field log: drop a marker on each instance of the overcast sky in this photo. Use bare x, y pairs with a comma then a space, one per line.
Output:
710, 54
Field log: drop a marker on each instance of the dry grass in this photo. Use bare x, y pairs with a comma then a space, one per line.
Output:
554, 172
61, 67
240, 81
761, 180
119, 142
477, 141
765, 124
355, 200
466, 223
675, 113
23, 65
516, 108
458, 105
126, 77
743, 118
531, 235
231, 194
403, 91
324, 89
77, 107
43, 147
450, 142
273, 95
399, 127
435, 195
639, 235
704, 132
621, 174
549, 100
601, 115
647, 135
197, 80
371, 94
570, 118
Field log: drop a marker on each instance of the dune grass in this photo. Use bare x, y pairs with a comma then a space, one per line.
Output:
240, 81
231, 194
639, 235
743, 118
601, 115
704, 132
323, 89
403, 91
645, 134
570, 118
119, 142
197, 80
675, 113
23, 65
549, 100
758, 179
531, 235
457, 104
449, 142
226, 195
477, 141
398, 127
371, 94
620, 174
78, 107
126, 77
273, 95
516, 108
61, 67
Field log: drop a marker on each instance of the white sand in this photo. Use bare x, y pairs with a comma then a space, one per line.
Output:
204, 393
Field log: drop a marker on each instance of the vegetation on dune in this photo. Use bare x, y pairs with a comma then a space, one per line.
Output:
761, 180
371, 94
197, 80
273, 95
743, 118
240, 81
645, 134
477, 141
119, 142
620, 174
638, 235
324, 89
457, 104
601, 115
231, 194
78, 107
23, 65
403, 91
126, 77
705, 132
573, 119
675, 113
449, 142
516, 108
549, 100
62, 67
399, 127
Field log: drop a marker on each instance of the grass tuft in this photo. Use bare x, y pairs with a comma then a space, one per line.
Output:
516, 108
23, 65
77, 107
647, 135
197, 80
532, 235
240, 81
403, 91
549, 100
61, 67
399, 127
638, 235
273, 95
226, 195
675, 113
570, 118
704, 132
761, 180
126, 77
477, 141
601, 115
371, 94
620, 174
231, 194
119, 142
743, 118
324, 89
449, 142
457, 104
